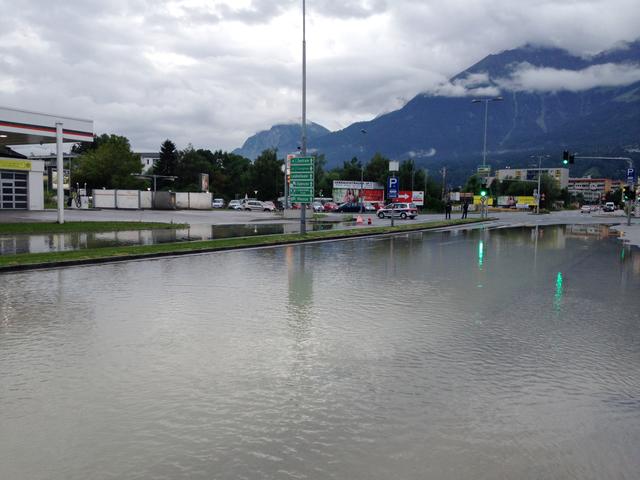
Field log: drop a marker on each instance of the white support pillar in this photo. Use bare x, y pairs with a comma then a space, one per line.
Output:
60, 172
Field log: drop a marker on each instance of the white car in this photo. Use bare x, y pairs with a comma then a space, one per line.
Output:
257, 205
217, 203
585, 209
318, 207
235, 205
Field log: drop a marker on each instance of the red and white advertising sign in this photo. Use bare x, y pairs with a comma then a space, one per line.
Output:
416, 197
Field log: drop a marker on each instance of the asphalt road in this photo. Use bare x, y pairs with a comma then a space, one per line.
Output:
231, 217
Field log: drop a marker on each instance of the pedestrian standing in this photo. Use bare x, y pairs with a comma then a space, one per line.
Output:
447, 210
465, 209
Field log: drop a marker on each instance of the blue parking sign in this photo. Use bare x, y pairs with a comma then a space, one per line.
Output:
631, 175
392, 187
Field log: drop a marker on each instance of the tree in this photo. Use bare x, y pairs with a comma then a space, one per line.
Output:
191, 163
377, 170
167, 163
266, 175
110, 165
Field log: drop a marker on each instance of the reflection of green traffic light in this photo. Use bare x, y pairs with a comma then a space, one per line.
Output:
559, 291
480, 254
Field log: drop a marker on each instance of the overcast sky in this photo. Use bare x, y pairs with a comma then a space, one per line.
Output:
212, 73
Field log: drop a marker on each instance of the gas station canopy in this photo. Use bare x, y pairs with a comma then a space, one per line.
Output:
21, 127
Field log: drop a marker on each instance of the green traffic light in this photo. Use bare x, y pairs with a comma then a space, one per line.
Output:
565, 162
483, 193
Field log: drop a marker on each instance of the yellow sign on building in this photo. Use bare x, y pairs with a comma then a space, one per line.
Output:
13, 164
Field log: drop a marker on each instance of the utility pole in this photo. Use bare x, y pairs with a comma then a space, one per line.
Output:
444, 180
303, 212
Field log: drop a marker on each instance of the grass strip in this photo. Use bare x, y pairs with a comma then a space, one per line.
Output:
83, 227
25, 261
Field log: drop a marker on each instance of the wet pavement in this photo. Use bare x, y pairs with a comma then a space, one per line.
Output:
484, 353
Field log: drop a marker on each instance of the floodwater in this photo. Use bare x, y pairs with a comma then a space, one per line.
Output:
477, 354
56, 242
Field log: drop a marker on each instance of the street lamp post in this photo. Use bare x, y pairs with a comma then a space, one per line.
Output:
486, 116
540, 157
303, 149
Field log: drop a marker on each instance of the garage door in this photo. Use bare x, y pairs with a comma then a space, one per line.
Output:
13, 190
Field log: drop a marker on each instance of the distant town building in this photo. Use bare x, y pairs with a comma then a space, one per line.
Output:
561, 175
148, 160
593, 189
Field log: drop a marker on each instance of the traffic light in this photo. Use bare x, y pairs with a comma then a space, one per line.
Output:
572, 159
565, 157
483, 193
628, 193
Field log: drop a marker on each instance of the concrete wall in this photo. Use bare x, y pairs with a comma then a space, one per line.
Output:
127, 199
135, 199
200, 201
104, 199
182, 200
35, 191
146, 198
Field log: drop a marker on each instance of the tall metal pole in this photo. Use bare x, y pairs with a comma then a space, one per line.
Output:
539, 177
60, 169
484, 150
303, 213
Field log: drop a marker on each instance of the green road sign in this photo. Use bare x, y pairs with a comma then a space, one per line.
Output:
301, 168
302, 190
301, 176
301, 180
301, 199
302, 161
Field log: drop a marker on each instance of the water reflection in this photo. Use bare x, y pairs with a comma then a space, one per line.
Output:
55, 242
368, 358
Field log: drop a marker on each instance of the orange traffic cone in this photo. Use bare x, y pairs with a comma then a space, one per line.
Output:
359, 220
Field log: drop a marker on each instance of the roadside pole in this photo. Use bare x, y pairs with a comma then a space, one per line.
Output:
393, 189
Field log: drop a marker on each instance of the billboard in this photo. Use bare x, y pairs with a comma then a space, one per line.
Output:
511, 201
353, 192
414, 196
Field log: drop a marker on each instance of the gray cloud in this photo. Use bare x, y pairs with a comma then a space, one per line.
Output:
530, 78
214, 72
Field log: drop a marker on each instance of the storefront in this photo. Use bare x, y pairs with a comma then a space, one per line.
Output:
21, 184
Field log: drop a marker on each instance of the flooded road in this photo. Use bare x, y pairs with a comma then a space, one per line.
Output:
467, 354
57, 242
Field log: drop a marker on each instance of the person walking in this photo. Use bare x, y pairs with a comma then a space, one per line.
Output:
447, 210
465, 209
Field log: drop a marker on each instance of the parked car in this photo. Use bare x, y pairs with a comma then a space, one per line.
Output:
317, 207
369, 207
401, 210
349, 207
257, 205
235, 205
585, 209
330, 207
609, 207
217, 203
269, 206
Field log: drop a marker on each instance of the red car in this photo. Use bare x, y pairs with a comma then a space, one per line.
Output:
330, 207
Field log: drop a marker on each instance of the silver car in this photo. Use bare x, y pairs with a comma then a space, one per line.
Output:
256, 205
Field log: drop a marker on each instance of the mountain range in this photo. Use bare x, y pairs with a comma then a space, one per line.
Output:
551, 101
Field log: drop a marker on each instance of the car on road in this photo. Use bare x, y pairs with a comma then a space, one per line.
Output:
217, 203
317, 207
609, 207
585, 209
235, 205
330, 207
400, 210
369, 207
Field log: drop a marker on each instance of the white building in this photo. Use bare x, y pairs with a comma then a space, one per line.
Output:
148, 160
561, 175
593, 190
